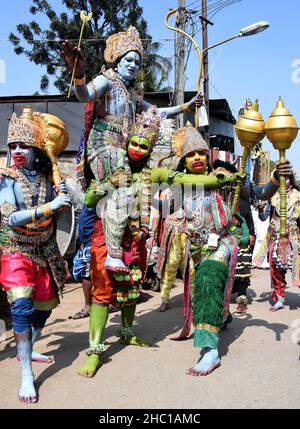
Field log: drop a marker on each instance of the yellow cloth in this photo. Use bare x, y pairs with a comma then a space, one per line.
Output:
174, 261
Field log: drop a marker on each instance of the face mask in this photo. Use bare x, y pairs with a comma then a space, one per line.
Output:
22, 155
196, 162
129, 65
138, 148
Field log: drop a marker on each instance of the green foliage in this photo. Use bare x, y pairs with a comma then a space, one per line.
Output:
109, 17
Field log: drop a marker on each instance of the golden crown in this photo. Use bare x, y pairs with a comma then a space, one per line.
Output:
148, 125
118, 44
186, 140
150, 118
25, 129
42, 130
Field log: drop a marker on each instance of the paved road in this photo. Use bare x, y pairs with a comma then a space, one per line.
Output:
260, 359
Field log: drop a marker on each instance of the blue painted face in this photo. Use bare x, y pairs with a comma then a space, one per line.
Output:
22, 155
129, 65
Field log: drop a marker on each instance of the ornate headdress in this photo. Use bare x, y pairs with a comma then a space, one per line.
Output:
25, 129
118, 44
186, 140
148, 125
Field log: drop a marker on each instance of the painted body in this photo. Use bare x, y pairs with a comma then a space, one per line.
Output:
24, 226
117, 101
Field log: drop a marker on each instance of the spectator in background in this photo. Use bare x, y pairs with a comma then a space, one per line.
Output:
283, 256
82, 259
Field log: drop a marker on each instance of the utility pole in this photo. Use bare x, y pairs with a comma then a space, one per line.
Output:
205, 65
179, 60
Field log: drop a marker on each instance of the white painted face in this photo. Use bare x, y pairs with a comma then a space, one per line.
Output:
129, 65
22, 155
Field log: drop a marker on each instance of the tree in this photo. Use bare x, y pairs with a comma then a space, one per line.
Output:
43, 46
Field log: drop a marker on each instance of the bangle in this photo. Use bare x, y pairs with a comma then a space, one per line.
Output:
185, 107
46, 210
80, 81
33, 216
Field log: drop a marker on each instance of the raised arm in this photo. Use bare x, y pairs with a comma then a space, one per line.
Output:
84, 92
267, 191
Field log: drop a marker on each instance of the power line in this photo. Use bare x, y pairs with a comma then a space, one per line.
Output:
76, 40
221, 5
197, 1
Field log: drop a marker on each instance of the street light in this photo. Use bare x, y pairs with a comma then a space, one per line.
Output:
255, 28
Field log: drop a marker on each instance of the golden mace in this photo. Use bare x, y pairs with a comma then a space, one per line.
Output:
199, 55
281, 129
250, 131
51, 135
56, 141
84, 18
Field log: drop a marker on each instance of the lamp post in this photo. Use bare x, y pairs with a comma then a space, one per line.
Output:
250, 30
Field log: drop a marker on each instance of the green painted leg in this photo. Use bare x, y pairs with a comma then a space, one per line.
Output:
127, 335
98, 319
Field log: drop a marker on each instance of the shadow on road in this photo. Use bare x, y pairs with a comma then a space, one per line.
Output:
237, 326
151, 325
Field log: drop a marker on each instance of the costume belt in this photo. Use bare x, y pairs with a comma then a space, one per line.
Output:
110, 123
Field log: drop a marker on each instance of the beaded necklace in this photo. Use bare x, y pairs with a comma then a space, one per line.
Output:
31, 190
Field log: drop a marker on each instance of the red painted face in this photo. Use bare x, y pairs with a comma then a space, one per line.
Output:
134, 155
138, 148
21, 154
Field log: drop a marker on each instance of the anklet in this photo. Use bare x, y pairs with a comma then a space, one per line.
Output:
96, 350
127, 333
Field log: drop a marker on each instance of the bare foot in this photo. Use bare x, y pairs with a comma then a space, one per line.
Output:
274, 309
91, 366
27, 393
209, 362
135, 341
196, 372
277, 306
37, 357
